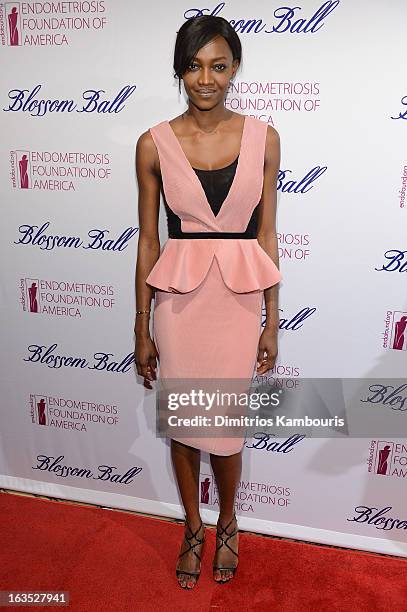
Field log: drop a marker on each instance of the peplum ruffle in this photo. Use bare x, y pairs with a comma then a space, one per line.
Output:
184, 264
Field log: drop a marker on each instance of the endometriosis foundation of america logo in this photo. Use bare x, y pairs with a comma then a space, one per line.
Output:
65, 298
388, 458
72, 413
44, 23
57, 170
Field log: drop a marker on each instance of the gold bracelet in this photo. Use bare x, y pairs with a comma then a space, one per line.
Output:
142, 311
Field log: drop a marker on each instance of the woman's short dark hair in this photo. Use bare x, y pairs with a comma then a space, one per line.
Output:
197, 32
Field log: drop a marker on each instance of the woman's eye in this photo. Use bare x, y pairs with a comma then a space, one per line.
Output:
193, 66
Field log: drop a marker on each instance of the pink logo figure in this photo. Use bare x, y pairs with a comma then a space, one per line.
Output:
32, 294
42, 419
23, 165
205, 484
400, 336
22, 161
12, 27
382, 464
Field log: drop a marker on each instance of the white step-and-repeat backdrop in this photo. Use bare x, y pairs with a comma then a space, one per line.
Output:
80, 81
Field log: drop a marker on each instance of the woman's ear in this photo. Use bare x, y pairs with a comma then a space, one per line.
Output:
235, 66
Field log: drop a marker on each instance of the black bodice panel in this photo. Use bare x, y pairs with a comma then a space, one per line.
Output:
216, 185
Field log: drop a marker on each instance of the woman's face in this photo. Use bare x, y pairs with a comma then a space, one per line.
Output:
206, 81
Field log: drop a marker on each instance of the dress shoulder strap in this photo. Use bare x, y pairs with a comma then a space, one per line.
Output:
171, 161
255, 141
161, 136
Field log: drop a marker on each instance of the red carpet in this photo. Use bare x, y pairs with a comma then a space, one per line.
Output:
122, 562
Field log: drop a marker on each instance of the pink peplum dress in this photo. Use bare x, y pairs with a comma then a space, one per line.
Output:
211, 273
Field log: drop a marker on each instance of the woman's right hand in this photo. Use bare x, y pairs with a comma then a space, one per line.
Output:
146, 356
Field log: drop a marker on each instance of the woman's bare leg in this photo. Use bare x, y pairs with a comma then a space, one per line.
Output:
186, 461
227, 472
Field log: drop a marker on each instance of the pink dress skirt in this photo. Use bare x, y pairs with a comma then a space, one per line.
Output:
210, 332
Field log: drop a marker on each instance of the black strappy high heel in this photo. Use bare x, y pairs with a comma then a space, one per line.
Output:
188, 540
220, 533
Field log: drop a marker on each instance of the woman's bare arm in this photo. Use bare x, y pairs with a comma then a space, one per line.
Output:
266, 234
147, 168
267, 238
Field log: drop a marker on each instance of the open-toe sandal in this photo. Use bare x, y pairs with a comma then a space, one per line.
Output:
222, 538
191, 546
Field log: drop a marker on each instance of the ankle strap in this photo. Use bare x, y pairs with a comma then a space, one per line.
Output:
222, 531
188, 539
193, 533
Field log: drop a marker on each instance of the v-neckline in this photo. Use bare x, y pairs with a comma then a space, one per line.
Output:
195, 178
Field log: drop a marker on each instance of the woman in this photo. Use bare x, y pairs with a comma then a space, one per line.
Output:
218, 173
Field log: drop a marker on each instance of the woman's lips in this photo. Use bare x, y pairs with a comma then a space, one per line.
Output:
205, 93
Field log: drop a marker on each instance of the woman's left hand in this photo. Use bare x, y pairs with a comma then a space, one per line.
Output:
268, 350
